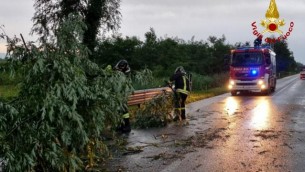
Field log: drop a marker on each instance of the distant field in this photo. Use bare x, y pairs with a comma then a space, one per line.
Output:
8, 91
2, 55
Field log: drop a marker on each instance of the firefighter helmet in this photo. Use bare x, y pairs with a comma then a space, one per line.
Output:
122, 66
180, 69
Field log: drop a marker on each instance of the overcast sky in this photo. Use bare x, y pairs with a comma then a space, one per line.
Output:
183, 19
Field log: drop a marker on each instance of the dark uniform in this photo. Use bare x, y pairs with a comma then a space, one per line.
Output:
182, 89
125, 127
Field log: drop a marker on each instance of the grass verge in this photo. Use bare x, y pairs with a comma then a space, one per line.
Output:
199, 95
8, 91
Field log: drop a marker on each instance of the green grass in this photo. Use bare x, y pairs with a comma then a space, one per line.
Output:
8, 91
199, 95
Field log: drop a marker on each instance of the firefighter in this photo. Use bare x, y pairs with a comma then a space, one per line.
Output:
182, 89
123, 66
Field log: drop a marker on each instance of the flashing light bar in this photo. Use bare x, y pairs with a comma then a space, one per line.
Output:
254, 72
248, 47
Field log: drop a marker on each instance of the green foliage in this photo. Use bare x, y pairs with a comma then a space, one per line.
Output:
8, 92
7, 79
163, 55
203, 82
144, 79
65, 103
111, 50
141, 79
156, 112
95, 14
284, 58
155, 82
300, 67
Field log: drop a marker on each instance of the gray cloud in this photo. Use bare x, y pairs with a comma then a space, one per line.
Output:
16, 16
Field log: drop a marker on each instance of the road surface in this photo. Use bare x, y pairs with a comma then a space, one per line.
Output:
241, 133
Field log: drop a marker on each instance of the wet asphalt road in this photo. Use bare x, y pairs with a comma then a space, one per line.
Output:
241, 133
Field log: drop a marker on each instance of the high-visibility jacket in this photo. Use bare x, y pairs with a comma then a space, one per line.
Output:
182, 84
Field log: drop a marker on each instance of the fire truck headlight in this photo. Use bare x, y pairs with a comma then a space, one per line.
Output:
263, 86
232, 82
260, 82
230, 87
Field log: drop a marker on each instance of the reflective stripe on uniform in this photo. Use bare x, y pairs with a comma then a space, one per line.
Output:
126, 115
184, 91
184, 83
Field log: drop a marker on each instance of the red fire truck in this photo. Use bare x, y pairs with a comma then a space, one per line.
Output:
252, 69
302, 72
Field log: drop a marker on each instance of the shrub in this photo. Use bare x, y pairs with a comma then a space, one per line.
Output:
201, 82
155, 113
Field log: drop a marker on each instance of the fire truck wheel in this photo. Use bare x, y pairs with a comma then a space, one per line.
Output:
266, 92
273, 88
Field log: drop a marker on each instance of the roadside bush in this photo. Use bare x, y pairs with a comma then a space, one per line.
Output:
6, 77
143, 79
146, 80
219, 80
202, 82
199, 82
155, 113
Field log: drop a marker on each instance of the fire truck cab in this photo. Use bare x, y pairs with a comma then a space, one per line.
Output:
252, 69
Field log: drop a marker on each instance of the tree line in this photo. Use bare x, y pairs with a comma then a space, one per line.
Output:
163, 55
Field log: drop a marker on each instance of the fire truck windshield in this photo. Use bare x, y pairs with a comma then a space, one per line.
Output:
247, 59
